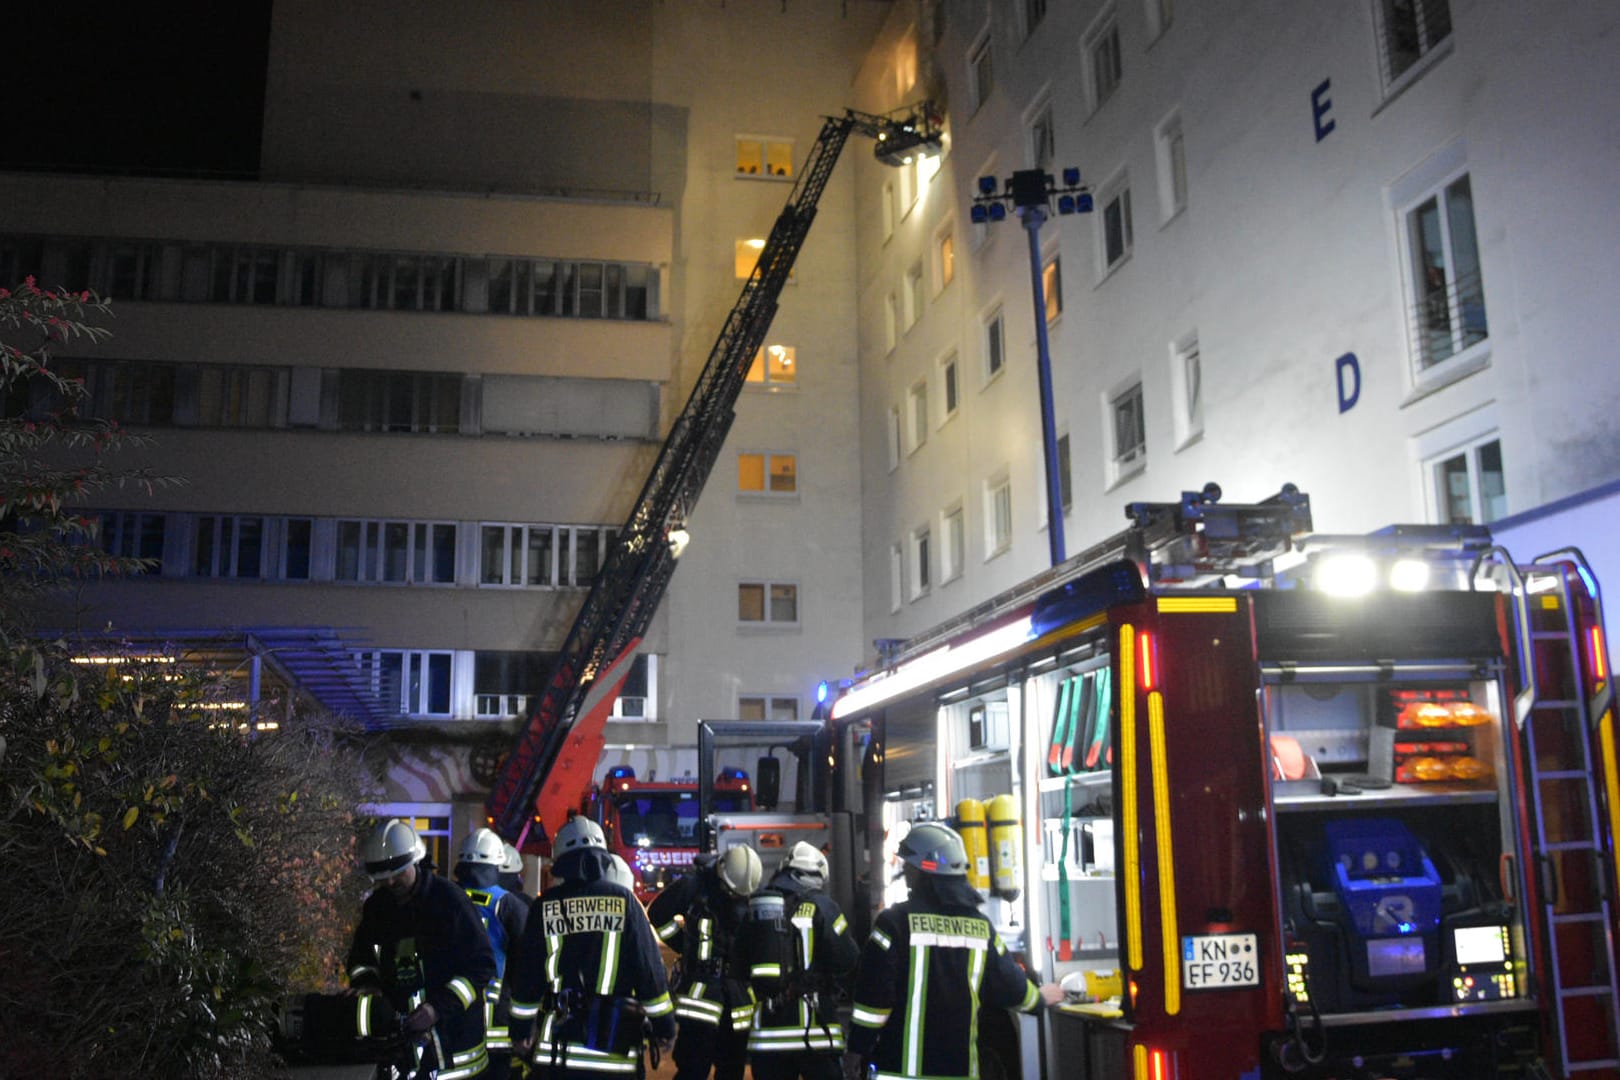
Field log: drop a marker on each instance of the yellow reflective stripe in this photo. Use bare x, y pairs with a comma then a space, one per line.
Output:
1611, 782
1031, 997
607, 971
867, 1016
1139, 1060
1127, 773
760, 971
1197, 604
881, 939
362, 1014
1169, 933
462, 987
525, 1010
658, 1006
840, 924
554, 959
668, 930
705, 938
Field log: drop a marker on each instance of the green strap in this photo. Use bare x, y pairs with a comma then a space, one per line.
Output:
1100, 754
1079, 732
1060, 726
1063, 871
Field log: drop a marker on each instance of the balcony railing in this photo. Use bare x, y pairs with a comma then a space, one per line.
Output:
1446, 319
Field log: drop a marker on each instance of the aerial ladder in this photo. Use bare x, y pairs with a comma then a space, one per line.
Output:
557, 748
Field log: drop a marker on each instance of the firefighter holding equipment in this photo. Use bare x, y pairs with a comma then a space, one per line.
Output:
698, 916
796, 947
504, 914
928, 965
421, 945
587, 975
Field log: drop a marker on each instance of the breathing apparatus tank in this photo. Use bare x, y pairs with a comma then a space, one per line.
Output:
970, 823
1006, 837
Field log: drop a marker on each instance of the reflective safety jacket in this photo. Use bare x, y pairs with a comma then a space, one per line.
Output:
585, 972
793, 980
699, 919
924, 973
431, 947
504, 916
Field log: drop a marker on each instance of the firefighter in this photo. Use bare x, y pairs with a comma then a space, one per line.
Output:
504, 914
511, 875
938, 936
796, 946
587, 974
712, 1000
421, 944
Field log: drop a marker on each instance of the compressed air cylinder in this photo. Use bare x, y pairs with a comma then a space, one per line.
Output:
1006, 838
970, 823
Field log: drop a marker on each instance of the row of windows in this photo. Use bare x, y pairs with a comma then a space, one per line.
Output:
484, 685
921, 561
222, 273
152, 393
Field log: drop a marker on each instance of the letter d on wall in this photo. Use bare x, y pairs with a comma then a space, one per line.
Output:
1349, 389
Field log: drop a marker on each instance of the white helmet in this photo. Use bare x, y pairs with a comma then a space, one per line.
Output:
739, 870
391, 848
807, 863
619, 873
512, 862
483, 847
580, 832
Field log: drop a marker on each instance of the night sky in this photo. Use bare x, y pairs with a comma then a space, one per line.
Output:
176, 87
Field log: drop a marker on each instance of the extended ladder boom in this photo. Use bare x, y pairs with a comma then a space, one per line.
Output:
566, 726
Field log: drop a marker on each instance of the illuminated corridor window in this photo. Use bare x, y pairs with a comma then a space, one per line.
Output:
767, 603
775, 366
767, 474
747, 255
767, 707
765, 157
1447, 313
1469, 484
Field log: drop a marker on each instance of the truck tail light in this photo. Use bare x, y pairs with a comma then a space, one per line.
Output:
1599, 656
1154, 1064
1149, 665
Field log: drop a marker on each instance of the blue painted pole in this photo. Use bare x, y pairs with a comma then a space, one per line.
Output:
1033, 217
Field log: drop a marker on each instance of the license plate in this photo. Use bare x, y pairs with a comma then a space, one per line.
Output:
1220, 961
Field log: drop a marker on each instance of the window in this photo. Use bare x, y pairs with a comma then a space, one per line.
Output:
917, 416
1448, 291
767, 707
549, 287
1160, 14
914, 294
897, 580
888, 209
892, 425
396, 552
1103, 63
228, 546
297, 545
1409, 30
638, 697
767, 603
997, 516
909, 188
891, 322
131, 535
1469, 484
244, 275
1172, 157
1130, 431
398, 401
505, 682
921, 561
747, 255
775, 367
1116, 222
408, 682
945, 257
1187, 376
1042, 137
953, 548
517, 555
1052, 288
767, 474
133, 271
948, 386
764, 157
1064, 474
981, 72
1034, 12
995, 349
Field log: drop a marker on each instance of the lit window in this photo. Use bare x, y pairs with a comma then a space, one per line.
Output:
774, 365
767, 707
770, 474
1409, 30
748, 251
765, 157
1469, 484
946, 253
1129, 430
1448, 291
1052, 288
767, 603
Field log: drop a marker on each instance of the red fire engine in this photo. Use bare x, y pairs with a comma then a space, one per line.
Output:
1299, 805
653, 825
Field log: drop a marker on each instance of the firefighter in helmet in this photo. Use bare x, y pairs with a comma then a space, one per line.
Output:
511, 876
698, 916
504, 915
587, 973
796, 946
932, 1028
421, 944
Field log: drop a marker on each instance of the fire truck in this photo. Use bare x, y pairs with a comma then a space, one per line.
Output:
1270, 803
653, 825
